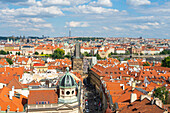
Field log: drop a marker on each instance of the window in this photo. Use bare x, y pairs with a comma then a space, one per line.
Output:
72, 92
68, 92
119, 72
63, 92
106, 72
111, 72
115, 72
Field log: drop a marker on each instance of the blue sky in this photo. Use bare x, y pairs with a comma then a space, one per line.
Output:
104, 18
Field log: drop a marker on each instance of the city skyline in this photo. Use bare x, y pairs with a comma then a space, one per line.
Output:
104, 18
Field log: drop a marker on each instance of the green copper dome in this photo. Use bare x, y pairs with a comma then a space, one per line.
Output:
67, 80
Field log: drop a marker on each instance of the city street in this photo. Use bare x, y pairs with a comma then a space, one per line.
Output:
92, 102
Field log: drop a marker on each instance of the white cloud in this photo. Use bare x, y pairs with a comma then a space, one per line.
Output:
153, 24
63, 2
29, 3
90, 9
43, 26
106, 3
140, 27
55, 2
117, 28
33, 11
105, 28
29, 29
35, 20
138, 2
76, 24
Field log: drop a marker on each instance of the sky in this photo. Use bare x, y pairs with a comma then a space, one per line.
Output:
99, 18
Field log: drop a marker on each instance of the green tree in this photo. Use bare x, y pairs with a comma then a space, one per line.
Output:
36, 53
166, 62
9, 61
127, 52
162, 94
2, 52
125, 59
164, 52
10, 52
19, 53
98, 57
141, 53
67, 56
7, 52
42, 53
110, 55
58, 54
146, 64
86, 54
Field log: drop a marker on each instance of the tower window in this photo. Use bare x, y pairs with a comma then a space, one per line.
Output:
72, 92
68, 92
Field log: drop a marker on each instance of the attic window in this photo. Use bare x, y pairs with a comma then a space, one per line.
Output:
106, 72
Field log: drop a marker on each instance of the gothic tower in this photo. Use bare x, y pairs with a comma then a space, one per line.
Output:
77, 60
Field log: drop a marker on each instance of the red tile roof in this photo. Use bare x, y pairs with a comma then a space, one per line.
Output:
42, 95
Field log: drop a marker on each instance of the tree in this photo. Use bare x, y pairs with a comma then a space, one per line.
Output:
164, 52
127, 52
42, 53
162, 94
9, 61
58, 54
166, 62
2, 52
141, 53
36, 53
110, 55
7, 52
67, 56
146, 64
19, 53
86, 54
98, 57
125, 59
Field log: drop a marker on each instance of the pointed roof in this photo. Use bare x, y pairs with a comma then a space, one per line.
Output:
14, 82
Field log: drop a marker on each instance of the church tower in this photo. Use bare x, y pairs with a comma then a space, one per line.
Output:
77, 60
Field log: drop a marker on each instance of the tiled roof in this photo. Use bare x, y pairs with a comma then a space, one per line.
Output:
14, 82
143, 106
42, 95
14, 103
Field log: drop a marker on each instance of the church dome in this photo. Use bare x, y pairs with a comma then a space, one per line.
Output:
67, 80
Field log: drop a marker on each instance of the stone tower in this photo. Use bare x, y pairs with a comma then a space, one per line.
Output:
77, 60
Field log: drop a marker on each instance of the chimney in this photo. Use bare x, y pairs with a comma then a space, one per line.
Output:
133, 97
145, 96
133, 86
157, 101
11, 93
